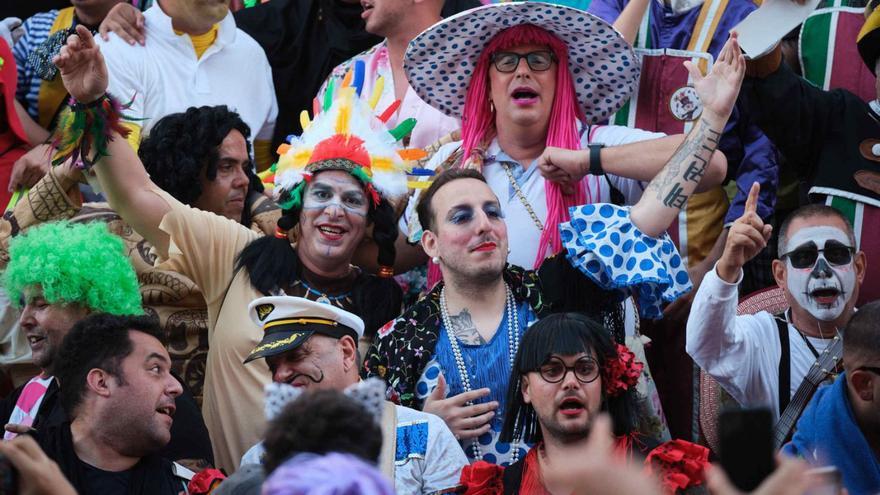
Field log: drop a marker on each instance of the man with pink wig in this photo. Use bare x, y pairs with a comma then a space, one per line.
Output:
530, 81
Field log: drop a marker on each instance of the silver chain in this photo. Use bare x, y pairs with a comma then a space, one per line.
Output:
512, 347
522, 197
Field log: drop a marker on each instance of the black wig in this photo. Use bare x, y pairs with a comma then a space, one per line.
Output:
563, 334
181, 145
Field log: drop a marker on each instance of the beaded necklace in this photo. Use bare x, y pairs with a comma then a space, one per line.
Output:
512, 346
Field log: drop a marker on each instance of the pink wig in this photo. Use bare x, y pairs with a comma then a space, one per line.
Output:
478, 120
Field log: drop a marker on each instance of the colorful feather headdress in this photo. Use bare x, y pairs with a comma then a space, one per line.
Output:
345, 134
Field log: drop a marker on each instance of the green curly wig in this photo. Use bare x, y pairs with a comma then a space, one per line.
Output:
74, 263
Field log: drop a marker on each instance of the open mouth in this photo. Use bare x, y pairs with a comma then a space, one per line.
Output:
825, 295
166, 410
331, 232
368, 7
571, 406
34, 340
524, 95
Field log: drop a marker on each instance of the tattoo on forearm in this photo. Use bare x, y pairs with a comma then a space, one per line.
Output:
696, 151
463, 327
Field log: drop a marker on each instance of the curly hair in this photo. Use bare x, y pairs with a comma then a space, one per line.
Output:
74, 263
320, 422
181, 145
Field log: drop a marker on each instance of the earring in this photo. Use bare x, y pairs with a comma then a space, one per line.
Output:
491, 106
436, 260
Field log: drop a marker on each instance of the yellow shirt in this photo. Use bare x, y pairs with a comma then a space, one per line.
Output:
201, 42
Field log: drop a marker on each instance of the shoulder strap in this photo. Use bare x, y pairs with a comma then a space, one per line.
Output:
389, 440
784, 365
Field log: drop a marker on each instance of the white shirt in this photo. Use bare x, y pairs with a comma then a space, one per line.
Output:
523, 234
742, 353
437, 469
165, 76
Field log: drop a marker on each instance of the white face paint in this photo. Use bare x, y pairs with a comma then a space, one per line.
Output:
823, 289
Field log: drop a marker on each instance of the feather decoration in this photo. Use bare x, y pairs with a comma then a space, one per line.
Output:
304, 120
403, 129
82, 129
412, 154
386, 115
346, 81
316, 108
329, 94
359, 71
377, 92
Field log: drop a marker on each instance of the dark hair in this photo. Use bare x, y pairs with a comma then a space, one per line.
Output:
101, 341
810, 211
423, 208
321, 422
181, 145
271, 263
862, 334
563, 334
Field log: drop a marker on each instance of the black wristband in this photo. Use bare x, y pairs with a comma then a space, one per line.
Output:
595, 160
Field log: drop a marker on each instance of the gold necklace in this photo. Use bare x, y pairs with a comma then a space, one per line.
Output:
522, 197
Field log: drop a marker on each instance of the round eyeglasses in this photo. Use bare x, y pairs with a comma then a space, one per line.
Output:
538, 61
806, 255
585, 369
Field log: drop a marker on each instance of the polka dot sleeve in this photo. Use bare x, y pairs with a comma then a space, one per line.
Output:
602, 242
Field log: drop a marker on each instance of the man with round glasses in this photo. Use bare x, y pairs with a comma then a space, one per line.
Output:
762, 359
567, 372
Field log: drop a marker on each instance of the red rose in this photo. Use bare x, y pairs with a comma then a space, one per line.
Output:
482, 478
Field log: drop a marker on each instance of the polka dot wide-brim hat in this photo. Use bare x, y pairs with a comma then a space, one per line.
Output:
439, 61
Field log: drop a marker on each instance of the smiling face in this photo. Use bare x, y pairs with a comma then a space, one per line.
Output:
319, 363
140, 408
523, 97
225, 194
333, 218
45, 325
468, 232
565, 409
819, 271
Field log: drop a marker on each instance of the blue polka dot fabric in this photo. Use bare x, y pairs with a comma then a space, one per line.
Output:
604, 245
604, 69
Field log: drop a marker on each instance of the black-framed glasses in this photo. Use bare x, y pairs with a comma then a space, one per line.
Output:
806, 255
870, 369
538, 61
585, 369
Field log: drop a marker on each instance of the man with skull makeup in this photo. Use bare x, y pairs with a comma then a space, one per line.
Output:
820, 272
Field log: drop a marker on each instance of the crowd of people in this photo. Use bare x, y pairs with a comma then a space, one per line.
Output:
435, 247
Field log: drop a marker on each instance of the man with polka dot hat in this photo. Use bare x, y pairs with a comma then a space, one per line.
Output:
529, 78
451, 353
313, 345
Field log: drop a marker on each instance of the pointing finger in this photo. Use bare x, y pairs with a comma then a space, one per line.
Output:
752, 201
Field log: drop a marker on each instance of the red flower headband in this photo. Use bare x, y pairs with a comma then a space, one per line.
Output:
622, 372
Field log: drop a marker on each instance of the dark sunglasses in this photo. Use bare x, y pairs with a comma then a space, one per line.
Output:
805, 256
585, 369
538, 61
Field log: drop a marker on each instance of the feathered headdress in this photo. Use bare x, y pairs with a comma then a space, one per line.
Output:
345, 134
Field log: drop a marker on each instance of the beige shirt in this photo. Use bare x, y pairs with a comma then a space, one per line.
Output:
203, 246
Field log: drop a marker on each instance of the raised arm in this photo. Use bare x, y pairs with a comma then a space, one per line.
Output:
667, 193
630, 19
123, 178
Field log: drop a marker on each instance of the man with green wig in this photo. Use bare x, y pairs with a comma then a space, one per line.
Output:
59, 273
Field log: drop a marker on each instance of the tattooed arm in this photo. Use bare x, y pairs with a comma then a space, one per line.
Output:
669, 190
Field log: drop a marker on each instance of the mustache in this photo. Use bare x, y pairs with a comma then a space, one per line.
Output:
310, 377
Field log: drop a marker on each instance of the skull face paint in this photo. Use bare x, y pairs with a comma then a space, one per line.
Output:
823, 288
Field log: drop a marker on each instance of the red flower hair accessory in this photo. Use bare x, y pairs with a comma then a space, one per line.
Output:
622, 372
482, 478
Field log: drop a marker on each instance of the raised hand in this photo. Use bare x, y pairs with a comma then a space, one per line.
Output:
82, 67
748, 236
719, 89
565, 167
465, 421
